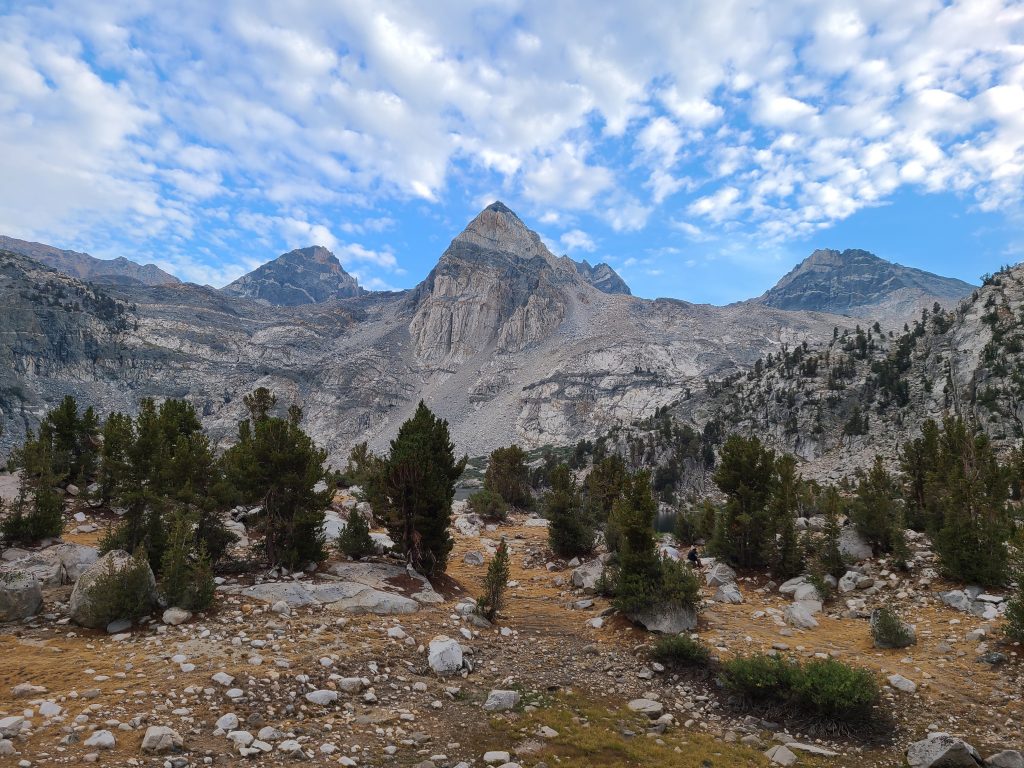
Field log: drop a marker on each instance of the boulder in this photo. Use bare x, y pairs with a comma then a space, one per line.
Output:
653, 709
940, 750
720, 575
322, 697
669, 621
101, 740
791, 586
473, 558
797, 615
780, 754
852, 545
444, 655
176, 616
11, 726
82, 607
501, 701
728, 593
21, 595
902, 684
956, 599
806, 591
160, 739
75, 558
588, 574
1008, 758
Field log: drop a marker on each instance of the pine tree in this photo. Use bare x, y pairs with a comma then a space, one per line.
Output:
747, 476
1015, 608
508, 476
972, 490
416, 488
639, 572
570, 530
788, 555
277, 465
829, 557
876, 510
490, 603
354, 539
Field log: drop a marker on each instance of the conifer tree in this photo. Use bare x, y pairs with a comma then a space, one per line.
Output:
508, 476
416, 488
570, 530
747, 476
788, 555
972, 490
876, 511
490, 603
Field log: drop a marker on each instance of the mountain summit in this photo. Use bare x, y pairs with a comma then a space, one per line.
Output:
858, 283
303, 276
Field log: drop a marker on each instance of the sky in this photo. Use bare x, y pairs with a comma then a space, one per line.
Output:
700, 148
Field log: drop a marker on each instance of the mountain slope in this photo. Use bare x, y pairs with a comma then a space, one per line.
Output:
859, 284
866, 393
86, 267
303, 276
503, 339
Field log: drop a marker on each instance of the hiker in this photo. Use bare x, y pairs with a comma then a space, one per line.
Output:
694, 557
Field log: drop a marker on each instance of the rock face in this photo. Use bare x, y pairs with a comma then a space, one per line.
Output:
20, 595
857, 283
83, 606
303, 276
86, 267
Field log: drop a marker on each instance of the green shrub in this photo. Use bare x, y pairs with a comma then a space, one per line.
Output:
680, 586
821, 688
680, 650
122, 593
29, 522
824, 589
759, 678
888, 631
489, 505
829, 689
354, 539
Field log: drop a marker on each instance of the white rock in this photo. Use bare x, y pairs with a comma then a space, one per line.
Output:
101, 740
501, 701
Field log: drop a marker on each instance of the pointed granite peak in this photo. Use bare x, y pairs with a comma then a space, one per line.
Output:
303, 276
497, 228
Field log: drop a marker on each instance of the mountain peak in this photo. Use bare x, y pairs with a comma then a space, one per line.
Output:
303, 276
86, 267
857, 282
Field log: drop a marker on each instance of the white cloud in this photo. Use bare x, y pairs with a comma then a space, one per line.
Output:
577, 240
178, 124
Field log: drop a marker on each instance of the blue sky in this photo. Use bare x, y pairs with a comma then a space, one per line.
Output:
700, 148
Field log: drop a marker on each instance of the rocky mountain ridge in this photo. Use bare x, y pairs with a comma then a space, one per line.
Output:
867, 391
302, 276
86, 267
504, 339
857, 283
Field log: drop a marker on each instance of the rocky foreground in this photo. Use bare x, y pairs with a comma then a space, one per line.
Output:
365, 664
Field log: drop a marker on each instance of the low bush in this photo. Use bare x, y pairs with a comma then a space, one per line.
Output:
822, 688
30, 521
758, 678
489, 505
680, 585
355, 540
888, 631
122, 593
829, 689
680, 650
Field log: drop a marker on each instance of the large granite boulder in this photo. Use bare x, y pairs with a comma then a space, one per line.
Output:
21, 595
667, 620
